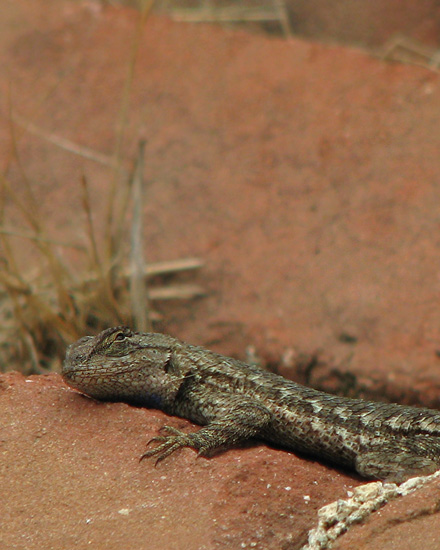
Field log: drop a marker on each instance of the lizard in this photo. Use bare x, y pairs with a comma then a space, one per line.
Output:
233, 402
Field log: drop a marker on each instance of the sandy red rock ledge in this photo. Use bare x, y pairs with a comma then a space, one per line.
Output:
306, 176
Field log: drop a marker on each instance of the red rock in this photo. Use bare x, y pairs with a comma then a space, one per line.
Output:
307, 178
71, 476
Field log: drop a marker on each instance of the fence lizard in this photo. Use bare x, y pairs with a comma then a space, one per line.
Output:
234, 401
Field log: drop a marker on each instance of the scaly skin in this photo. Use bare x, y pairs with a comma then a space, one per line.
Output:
234, 401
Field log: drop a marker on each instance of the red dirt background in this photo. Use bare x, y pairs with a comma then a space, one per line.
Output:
306, 176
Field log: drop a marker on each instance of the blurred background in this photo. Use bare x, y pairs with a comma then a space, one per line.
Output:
261, 178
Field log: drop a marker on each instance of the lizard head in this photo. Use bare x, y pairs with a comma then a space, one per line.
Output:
122, 365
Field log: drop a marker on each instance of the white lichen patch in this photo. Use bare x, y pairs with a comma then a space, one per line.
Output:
336, 518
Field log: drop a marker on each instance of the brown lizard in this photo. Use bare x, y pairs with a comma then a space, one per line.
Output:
234, 401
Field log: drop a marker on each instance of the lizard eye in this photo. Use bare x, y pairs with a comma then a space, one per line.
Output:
120, 336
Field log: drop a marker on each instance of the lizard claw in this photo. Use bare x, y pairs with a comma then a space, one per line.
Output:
167, 443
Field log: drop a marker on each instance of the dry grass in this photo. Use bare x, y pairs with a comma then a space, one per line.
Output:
52, 302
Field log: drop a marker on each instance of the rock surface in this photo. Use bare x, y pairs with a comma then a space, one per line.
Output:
71, 477
306, 176
407, 523
309, 186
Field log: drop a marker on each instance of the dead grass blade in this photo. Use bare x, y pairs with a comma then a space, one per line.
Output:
138, 289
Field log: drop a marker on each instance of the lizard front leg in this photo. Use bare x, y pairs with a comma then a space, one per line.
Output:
240, 420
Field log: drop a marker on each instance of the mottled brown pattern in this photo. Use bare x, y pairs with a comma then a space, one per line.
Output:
235, 401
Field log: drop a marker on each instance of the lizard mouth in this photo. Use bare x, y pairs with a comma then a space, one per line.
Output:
75, 373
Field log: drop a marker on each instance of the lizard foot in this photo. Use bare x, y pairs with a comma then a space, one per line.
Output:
169, 443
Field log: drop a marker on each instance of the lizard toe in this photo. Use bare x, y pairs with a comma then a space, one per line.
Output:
168, 443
